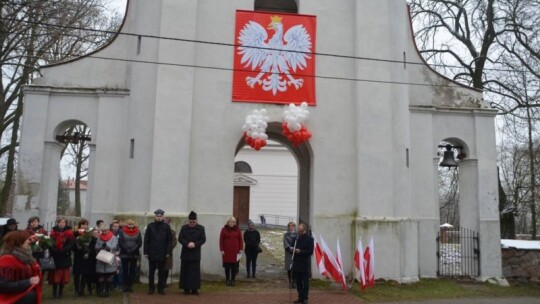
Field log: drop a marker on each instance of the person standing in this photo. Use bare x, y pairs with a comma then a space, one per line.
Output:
230, 244
63, 240
35, 228
20, 276
192, 236
11, 225
80, 256
157, 246
288, 244
109, 242
252, 240
130, 243
301, 263
118, 279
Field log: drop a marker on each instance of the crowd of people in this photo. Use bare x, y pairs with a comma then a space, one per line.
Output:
108, 256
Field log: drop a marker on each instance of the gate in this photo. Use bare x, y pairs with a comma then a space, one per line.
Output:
458, 252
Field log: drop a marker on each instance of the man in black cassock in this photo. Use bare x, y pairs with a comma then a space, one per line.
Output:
192, 237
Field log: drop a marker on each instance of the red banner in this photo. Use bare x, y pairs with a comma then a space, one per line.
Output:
274, 60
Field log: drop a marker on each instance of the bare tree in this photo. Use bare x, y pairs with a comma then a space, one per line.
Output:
34, 33
491, 45
449, 196
77, 151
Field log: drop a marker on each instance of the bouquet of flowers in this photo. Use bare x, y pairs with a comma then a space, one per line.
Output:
40, 242
84, 239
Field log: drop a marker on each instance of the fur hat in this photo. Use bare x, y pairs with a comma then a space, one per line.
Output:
192, 215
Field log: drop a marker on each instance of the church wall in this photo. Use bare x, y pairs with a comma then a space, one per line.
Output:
186, 128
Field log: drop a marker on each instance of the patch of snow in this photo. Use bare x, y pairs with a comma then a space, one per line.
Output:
521, 244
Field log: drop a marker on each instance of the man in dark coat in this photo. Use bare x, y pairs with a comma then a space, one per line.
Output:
192, 237
301, 263
156, 248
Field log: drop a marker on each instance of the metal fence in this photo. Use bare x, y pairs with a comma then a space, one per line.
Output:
276, 220
458, 252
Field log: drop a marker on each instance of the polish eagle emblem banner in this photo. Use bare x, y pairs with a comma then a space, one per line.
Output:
274, 58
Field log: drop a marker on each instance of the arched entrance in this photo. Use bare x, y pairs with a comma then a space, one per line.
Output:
304, 160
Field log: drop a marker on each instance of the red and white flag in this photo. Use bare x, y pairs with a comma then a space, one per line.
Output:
330, 263
369, 256
339, 262
359, 265
319, 258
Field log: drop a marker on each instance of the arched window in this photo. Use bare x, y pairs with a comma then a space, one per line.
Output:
285, 6
242, 167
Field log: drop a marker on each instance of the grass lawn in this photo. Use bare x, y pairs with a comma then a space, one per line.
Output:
442, 289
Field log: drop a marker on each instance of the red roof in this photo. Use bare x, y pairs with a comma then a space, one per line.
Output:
70, 184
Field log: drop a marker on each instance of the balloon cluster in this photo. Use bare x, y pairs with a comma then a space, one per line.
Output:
293, 124
255, 129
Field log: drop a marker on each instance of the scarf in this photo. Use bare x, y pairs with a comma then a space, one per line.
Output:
130, 232
18, 264
106, 237
62, 236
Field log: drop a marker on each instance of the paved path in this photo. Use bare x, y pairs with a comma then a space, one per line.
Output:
282, 297
275, 297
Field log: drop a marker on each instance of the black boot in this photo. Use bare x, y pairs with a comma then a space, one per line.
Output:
227, 276
81, 287
107, 286
60, 291
77, 283
99, 289
55, 291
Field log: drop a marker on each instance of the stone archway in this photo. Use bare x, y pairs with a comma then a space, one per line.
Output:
304, 158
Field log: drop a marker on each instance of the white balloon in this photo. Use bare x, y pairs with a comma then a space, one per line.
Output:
263, 136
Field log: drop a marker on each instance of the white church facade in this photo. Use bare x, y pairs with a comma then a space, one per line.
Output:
166, 132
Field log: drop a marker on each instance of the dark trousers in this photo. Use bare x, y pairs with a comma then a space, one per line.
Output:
129, 269
251, 261
302, 284
160, 266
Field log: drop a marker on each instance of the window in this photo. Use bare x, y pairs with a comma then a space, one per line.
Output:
285, 6
242, 167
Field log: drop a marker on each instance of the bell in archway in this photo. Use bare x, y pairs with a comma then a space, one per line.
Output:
448, 158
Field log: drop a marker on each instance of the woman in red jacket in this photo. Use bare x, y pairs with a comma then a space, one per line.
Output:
230, 244
20, 276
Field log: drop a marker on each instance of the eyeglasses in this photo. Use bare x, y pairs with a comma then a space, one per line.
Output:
193, 222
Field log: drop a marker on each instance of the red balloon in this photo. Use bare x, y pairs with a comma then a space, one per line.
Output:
249, 140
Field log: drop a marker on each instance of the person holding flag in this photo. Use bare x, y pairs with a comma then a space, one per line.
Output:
301, 263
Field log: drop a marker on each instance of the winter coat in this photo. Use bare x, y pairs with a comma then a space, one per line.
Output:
157, 241
110, 245
130, 243
16, 268
81, 262
252, 239
63, 241
288, 245
189, 234
230, 241
38, 253
302, 259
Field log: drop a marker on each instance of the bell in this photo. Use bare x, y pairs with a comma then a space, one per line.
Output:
448, 158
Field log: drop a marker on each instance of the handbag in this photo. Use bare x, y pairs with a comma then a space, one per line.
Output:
106, 257
259, 249
47, 262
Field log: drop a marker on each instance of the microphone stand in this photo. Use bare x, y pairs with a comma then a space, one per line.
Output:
290, 270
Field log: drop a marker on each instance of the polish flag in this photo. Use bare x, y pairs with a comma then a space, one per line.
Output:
319, 258
369, 256
339, 262
359, 265
330, 263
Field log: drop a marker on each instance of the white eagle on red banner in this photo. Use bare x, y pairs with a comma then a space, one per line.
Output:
278, 56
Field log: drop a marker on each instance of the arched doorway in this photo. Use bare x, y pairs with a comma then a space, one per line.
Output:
304, 160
